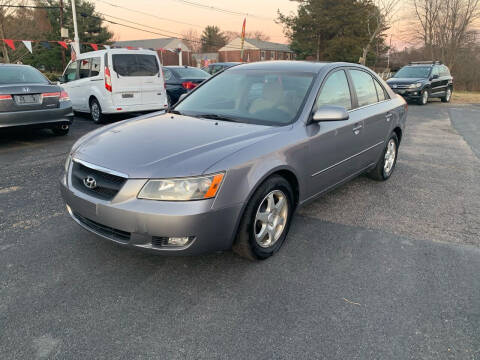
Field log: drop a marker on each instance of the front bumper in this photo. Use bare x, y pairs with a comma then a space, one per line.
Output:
139, 223
46, 118
409, 93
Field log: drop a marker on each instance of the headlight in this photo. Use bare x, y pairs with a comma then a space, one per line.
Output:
182, 189
414, 86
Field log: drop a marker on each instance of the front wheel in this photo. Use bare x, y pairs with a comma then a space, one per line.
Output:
266, 220
96, 111
385, 166
424, 98
448, 96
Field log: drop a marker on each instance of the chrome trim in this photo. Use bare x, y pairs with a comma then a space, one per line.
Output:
350, 157
100, 168
366, 106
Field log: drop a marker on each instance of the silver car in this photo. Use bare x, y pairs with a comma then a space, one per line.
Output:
229, 164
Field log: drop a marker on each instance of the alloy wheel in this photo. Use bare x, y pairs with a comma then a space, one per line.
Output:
425, 97
95, 111
390, 155
271, 218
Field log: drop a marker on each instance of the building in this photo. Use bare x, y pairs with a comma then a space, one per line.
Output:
166, 48
254, 50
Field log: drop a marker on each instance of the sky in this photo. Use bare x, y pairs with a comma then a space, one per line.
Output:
194, 17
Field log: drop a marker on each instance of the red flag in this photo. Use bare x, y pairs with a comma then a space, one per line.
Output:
243, 28
63, 43
10, 43
94, 46
130, 48
73, 54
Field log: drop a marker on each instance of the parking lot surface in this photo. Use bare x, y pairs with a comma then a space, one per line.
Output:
369, 271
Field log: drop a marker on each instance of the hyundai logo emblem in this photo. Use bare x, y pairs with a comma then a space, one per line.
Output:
90, 182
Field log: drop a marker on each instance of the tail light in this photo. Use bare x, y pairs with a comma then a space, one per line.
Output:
108, 79
189, 85
5, 97
51, 94
64, 96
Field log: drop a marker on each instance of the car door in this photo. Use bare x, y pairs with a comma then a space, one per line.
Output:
82, 84
436, 82
333, 144
70, 78
373, 110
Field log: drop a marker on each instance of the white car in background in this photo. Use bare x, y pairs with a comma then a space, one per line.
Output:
115, 81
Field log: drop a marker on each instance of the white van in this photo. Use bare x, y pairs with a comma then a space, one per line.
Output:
115, 81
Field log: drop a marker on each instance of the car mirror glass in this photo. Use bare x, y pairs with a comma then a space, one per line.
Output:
435, 77
330, 113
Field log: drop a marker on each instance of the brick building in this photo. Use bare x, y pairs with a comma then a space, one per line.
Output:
255, 50
168, 56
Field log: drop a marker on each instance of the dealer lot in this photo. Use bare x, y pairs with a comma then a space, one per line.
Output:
371, 270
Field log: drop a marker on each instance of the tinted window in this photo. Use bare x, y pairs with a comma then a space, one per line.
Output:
251, 96
135, 65
382, 95
435, 71
84, 69
413, 72
167, 74
71, 72
95, 69
444, 71
335, 91
191, 72
21, 75
364, 87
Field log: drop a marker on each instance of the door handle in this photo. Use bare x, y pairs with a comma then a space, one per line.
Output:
389, 116
356, 129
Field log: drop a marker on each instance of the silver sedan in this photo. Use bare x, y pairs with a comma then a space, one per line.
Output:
231, 162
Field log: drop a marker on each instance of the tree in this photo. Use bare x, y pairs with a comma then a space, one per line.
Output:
257, 34
212, 39
333, 30
192, 40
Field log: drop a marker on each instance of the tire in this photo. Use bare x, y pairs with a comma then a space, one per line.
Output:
62, 129
382, 172
249, 242
448, 96
96, 111
424, 98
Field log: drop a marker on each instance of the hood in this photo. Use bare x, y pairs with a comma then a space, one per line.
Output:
167, 145
405, 80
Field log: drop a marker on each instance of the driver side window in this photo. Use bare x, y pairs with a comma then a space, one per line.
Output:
335, 91
71, 72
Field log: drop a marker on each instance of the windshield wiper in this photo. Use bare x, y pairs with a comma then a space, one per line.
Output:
217, 117
175, 112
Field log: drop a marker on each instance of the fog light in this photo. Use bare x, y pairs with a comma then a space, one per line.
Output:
171, 241
415, 93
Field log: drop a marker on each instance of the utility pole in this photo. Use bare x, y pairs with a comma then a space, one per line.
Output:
61, 27
76, 40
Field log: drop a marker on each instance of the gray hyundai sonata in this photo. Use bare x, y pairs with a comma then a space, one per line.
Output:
229, 164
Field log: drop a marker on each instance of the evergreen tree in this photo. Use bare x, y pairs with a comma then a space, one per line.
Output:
212, 39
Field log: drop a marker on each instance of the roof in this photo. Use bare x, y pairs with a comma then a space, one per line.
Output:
285, 65
159, 43
235, 44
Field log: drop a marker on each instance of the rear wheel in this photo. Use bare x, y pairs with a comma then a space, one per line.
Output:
448, 96
96, 111
385, 166
424, 98
62, 129
266, 220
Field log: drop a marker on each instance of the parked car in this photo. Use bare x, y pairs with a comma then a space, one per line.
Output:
220, 66
115, 81
27, 98
422, 80
181, 79
226, 168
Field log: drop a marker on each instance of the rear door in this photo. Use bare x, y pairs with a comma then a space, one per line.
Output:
137, 79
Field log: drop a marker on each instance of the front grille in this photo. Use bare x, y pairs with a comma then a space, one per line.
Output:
107, 185
401, 86
104, 230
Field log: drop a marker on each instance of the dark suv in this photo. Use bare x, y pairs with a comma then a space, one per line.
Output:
422, 80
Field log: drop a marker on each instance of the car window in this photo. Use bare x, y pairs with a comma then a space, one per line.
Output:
191, 72
444, 71
335, 91
21, 75
435, 71
413, 72
167, 74
381, 93
135, 64
364, 87
70, 73
95, 67
84, 69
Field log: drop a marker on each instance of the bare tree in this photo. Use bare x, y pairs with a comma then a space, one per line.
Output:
427, 13
381, 16
257, 34
192, 38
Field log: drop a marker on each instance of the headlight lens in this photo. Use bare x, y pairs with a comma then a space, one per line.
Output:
414, 86
182, 189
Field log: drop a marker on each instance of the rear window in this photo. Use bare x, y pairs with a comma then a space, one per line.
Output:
21, 75
192, 73
135, 65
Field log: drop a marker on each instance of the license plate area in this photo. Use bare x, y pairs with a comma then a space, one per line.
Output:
127, 95
27, 99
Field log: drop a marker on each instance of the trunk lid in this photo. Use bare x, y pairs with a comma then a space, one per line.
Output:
27, 97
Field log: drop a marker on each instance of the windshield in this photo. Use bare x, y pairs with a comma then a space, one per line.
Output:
191, 72
21, 75
250, 96
413, 72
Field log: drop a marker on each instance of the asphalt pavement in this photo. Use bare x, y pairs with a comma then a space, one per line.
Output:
369, 271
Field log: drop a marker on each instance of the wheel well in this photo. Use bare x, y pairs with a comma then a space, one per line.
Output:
398, 132
292, 180
91, 98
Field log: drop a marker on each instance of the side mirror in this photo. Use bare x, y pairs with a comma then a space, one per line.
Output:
181, 97
61, 79
435, 76
330, 113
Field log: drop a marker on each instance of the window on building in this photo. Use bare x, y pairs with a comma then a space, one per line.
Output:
262, 55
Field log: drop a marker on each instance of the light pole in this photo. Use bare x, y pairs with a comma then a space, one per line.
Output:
76, 40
